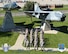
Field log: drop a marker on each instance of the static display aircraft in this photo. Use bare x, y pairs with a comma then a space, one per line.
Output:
47, 15
11, 6
8, 23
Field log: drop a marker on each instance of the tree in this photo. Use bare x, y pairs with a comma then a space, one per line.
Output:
29, 6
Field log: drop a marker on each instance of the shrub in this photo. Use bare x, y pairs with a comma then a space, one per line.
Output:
29, 6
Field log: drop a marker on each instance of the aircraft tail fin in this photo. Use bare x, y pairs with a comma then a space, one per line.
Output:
36, 7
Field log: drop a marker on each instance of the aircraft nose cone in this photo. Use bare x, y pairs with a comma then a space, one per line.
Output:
63, 17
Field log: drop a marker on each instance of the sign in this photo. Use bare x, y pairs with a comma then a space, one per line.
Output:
61, 47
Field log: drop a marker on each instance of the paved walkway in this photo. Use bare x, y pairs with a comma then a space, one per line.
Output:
23, 14
14, 14
1, 48
51, 32
19, 45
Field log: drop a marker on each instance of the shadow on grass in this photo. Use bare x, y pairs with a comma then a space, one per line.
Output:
3, 34
20, 24
63, 29
46, 42
37, 21
27, 25
19, 51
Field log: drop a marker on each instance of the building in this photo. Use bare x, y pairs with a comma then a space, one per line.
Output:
41, 2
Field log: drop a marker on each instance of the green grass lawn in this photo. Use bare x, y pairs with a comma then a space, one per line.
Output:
22, 20
31, 52
51, 40
8, 37
26, 21
65, 7
13, 11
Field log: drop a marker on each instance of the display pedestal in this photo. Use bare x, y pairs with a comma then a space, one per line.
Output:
45, 26
8, 23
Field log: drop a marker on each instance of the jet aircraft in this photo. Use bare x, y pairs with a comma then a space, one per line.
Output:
11, 6
47, 15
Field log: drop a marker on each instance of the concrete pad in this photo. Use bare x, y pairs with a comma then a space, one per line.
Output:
51, 32
1, 48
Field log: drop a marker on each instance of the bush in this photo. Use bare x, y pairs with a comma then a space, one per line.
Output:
29, 6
